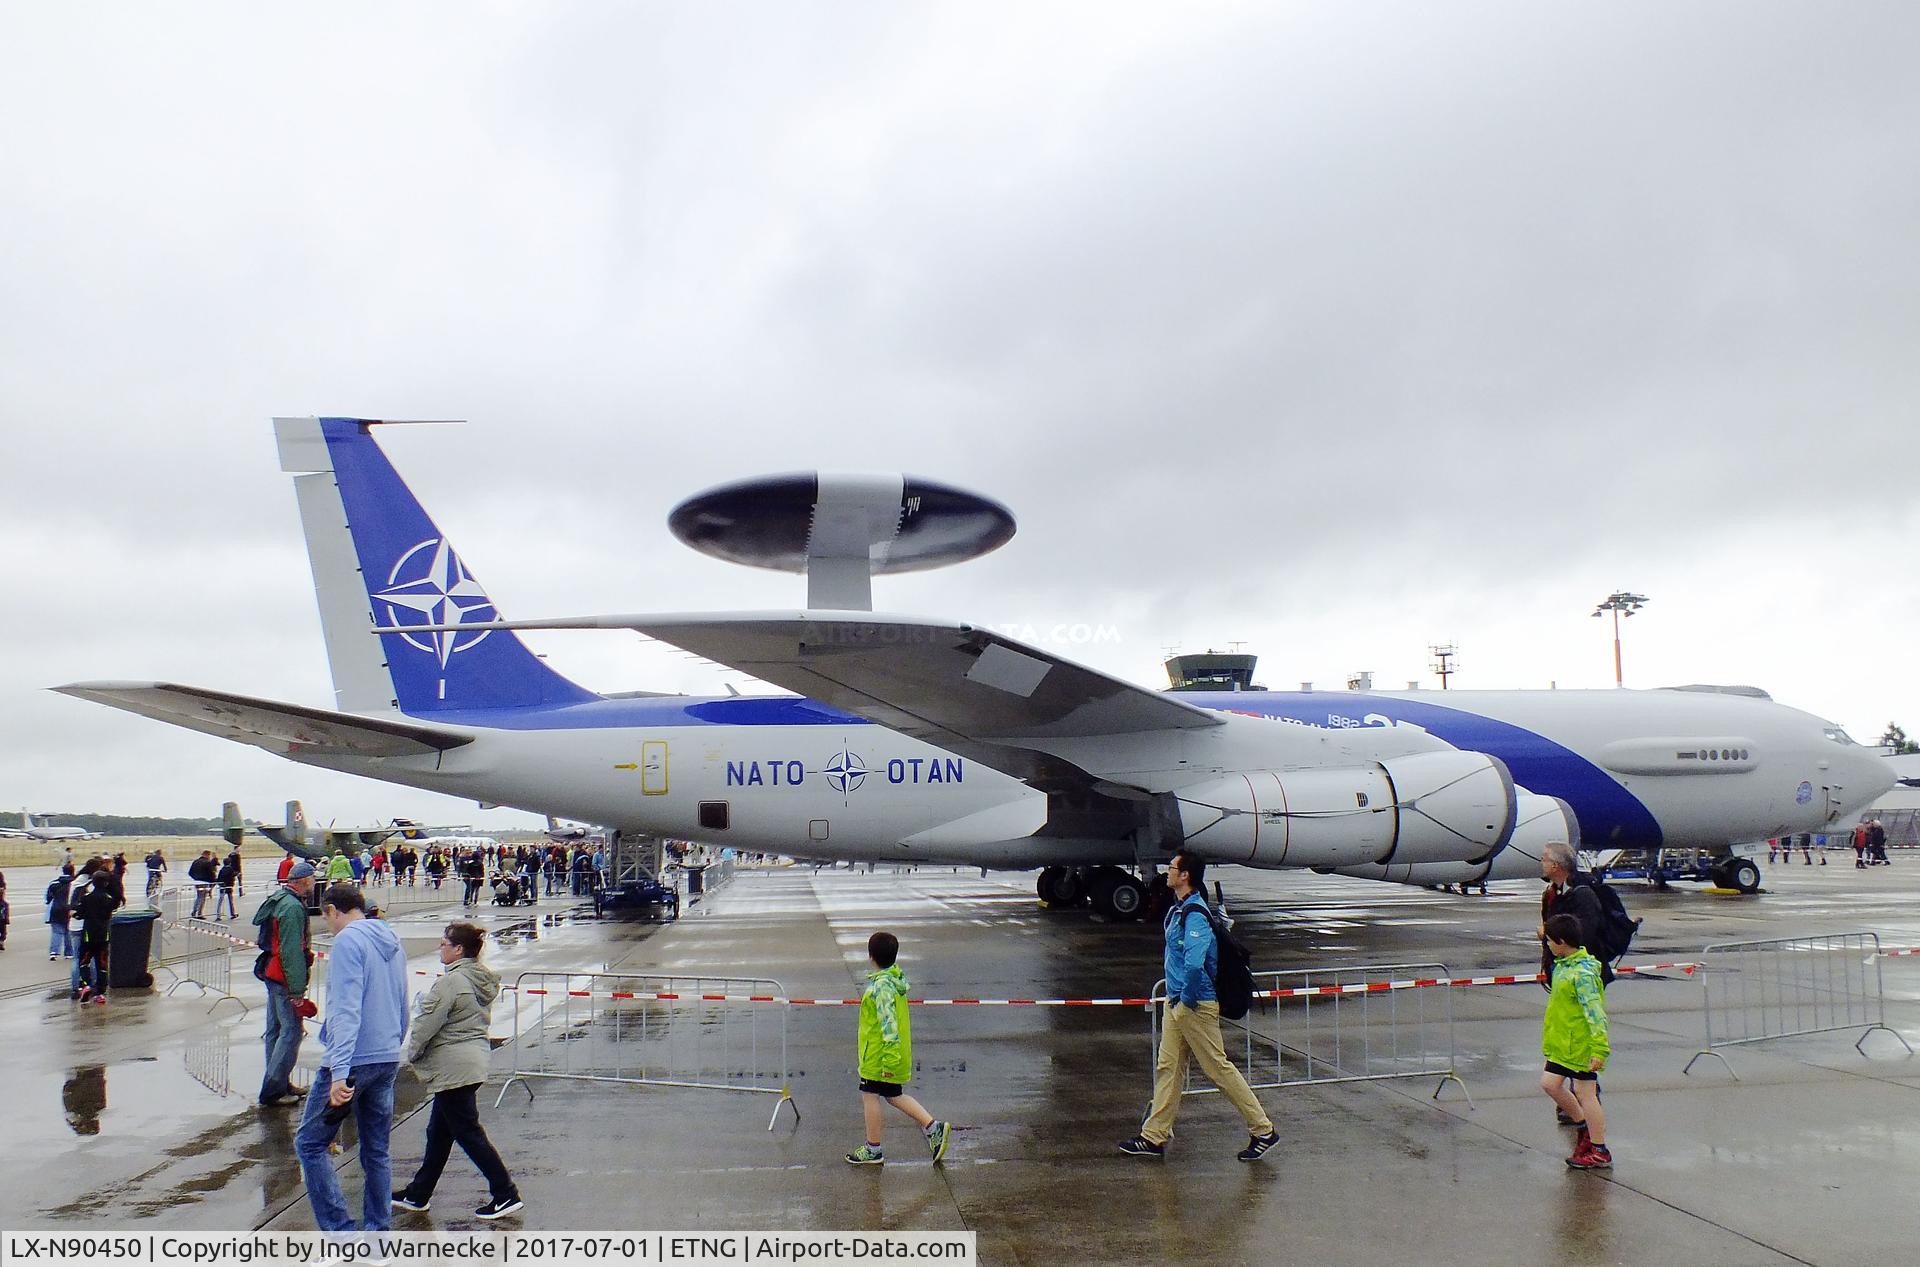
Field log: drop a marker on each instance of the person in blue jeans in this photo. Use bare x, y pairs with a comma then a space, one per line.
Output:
283, 967
364, 1035
58, 942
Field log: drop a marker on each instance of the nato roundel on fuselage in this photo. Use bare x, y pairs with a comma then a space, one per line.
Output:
900, 522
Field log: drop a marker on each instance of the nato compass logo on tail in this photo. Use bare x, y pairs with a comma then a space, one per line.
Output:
435, 588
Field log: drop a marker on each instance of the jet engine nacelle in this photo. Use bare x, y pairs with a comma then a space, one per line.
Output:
1427, 807
1542, 820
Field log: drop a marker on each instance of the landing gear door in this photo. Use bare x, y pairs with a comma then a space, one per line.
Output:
653, 767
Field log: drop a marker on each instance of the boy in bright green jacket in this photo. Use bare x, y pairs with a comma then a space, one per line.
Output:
1573, 1037
886, 1055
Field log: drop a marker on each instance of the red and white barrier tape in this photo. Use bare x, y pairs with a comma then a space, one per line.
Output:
1298, 992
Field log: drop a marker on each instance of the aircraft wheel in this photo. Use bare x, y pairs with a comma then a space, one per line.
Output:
1743, 874
1117, 895
1048, 885
1159, 898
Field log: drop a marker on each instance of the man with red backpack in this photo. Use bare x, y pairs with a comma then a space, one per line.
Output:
283, 965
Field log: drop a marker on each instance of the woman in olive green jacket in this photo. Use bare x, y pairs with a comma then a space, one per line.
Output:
448, 1049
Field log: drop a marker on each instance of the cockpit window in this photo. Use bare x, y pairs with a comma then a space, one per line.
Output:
1839, 736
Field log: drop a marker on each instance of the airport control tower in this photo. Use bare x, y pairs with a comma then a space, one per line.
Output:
1213, 671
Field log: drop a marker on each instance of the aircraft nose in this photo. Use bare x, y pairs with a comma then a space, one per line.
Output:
1871, 775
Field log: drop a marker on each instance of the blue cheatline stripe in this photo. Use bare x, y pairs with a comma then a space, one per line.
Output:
665, 711
1609, 815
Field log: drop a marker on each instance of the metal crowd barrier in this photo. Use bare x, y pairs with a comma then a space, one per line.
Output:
702, 1032
200, 954
1786, 987
393, 898
1314, 1026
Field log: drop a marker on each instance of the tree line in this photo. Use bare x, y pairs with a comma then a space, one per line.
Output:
125, 824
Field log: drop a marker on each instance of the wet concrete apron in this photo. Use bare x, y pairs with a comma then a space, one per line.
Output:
118, 1115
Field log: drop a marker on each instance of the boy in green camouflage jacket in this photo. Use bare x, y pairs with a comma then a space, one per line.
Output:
1573, 1037
886, 1055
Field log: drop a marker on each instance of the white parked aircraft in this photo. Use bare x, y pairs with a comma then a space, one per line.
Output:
441, 837
30, 830
940, 741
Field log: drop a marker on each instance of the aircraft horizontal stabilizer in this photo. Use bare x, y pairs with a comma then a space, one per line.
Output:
286, 729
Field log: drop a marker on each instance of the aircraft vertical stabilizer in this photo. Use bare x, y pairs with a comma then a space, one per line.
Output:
378, 559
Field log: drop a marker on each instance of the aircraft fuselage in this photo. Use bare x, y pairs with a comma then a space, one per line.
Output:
1638, 768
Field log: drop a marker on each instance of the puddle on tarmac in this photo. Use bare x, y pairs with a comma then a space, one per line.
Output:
142, 1097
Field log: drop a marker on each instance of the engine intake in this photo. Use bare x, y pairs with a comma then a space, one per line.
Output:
1426, 807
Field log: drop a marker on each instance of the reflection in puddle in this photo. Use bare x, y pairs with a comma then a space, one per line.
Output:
84, 1096
209, 1062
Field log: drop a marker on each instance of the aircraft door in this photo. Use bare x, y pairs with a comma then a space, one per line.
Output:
653, 767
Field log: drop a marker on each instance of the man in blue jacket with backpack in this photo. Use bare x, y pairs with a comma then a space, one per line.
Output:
1193, 1022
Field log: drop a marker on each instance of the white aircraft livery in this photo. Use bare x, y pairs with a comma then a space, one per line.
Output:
943, 742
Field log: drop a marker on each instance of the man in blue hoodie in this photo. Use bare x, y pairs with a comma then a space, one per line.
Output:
364, 1035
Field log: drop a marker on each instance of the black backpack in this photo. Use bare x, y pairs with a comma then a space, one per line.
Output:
1233, 976
1616, 926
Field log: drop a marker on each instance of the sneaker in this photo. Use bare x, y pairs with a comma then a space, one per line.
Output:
1258, 1146
1560, 1117
80, 995
1141, 1146
865, 1155
1596, 1157
100, 999
494, 1209
937, 1137
401, 1201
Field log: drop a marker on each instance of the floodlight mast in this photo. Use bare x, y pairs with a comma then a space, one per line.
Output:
1619, 602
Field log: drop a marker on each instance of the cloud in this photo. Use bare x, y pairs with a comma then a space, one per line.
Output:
1335, 330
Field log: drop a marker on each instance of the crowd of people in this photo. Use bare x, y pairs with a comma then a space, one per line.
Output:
517, 873
367, 1035
79, 904
370, 1031
1868, 840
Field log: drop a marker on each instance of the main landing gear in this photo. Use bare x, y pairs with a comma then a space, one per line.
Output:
1114, 894
1738, 873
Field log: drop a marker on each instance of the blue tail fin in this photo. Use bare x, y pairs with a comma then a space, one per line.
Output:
393, 566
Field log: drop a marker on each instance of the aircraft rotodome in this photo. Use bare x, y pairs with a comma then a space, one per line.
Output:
943, 742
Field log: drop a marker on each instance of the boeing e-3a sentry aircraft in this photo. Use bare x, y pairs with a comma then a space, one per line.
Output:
945, 742
30, 830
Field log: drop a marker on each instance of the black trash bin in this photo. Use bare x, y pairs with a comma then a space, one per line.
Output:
129, 946
696, 880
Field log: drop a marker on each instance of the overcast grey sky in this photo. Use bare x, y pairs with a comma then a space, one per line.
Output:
1335, 329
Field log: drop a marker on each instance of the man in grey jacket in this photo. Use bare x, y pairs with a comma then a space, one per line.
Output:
363, 1032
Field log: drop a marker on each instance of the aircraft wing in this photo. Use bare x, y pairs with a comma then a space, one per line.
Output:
285, 729
956, 686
